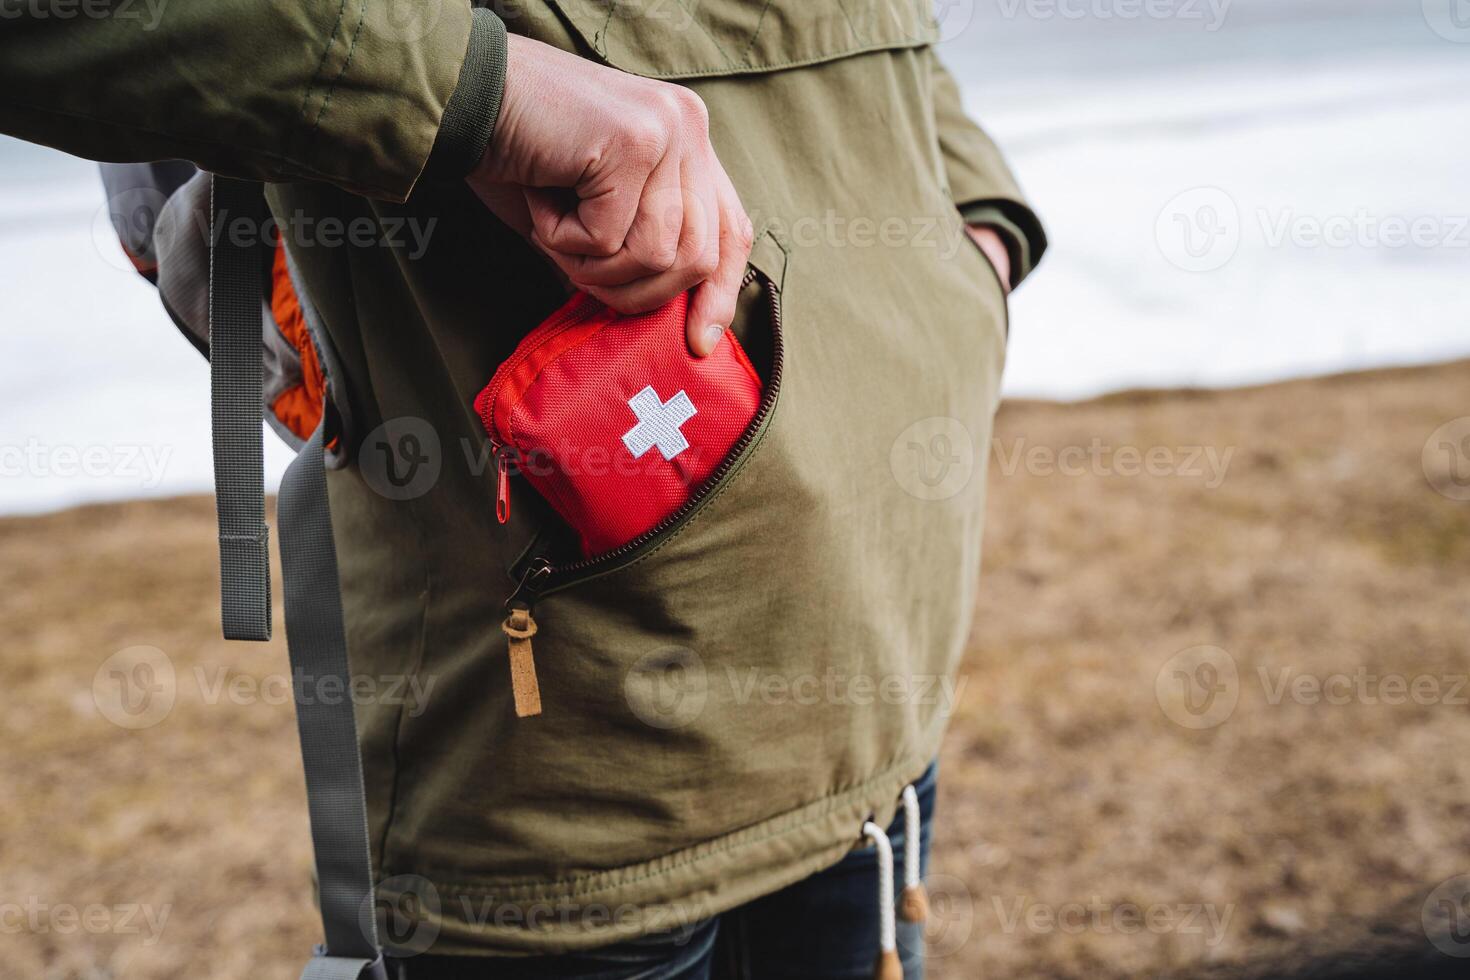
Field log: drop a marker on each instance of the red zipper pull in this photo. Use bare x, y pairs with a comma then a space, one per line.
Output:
502, 483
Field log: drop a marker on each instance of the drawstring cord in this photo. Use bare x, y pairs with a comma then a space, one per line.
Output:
914, 905
888, 966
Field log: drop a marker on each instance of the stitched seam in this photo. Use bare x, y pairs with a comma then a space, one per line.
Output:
848, 18
351, 50
592, 884
321, 63
759, 23
719, 70
713, 40
599, 40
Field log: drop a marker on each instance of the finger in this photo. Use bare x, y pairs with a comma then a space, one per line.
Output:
712, 308
652, 244
696, 255
595, 216
648, 293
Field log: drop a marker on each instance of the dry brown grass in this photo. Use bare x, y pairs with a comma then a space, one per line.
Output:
1063, 783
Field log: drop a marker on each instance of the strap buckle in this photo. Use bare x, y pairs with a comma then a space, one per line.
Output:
324, 964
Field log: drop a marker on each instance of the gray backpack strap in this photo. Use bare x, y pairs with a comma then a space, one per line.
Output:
317, 641
315, 636
237, 397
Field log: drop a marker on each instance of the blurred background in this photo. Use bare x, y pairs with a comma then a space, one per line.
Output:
1216, 712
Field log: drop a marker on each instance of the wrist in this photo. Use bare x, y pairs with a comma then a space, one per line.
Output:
993, 247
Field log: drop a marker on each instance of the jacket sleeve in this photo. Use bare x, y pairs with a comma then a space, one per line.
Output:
980, 182
341, 91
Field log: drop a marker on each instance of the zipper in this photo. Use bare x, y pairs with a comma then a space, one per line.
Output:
503, 454
528, 346
539, 576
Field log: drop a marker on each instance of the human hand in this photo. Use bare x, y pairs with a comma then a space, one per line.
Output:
994, 248
614, 177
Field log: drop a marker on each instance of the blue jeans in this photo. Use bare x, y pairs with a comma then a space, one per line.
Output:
822, 928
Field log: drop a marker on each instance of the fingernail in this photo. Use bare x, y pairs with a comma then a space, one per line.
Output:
712, 335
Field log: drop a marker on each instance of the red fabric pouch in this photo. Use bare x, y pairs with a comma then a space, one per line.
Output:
612, 419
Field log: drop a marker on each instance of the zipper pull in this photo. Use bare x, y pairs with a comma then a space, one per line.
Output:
519, 627
502, 482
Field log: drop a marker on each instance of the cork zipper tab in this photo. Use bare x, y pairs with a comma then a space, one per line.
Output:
519, 627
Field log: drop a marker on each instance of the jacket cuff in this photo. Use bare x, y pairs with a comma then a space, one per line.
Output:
470, 115
1019, 229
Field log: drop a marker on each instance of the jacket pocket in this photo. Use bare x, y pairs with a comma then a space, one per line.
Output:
550, 564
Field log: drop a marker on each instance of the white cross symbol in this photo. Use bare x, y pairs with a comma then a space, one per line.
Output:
658, 423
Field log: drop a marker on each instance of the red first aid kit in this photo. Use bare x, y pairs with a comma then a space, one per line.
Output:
612, 419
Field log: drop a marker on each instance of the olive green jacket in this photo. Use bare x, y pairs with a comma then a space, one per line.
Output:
725, 706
